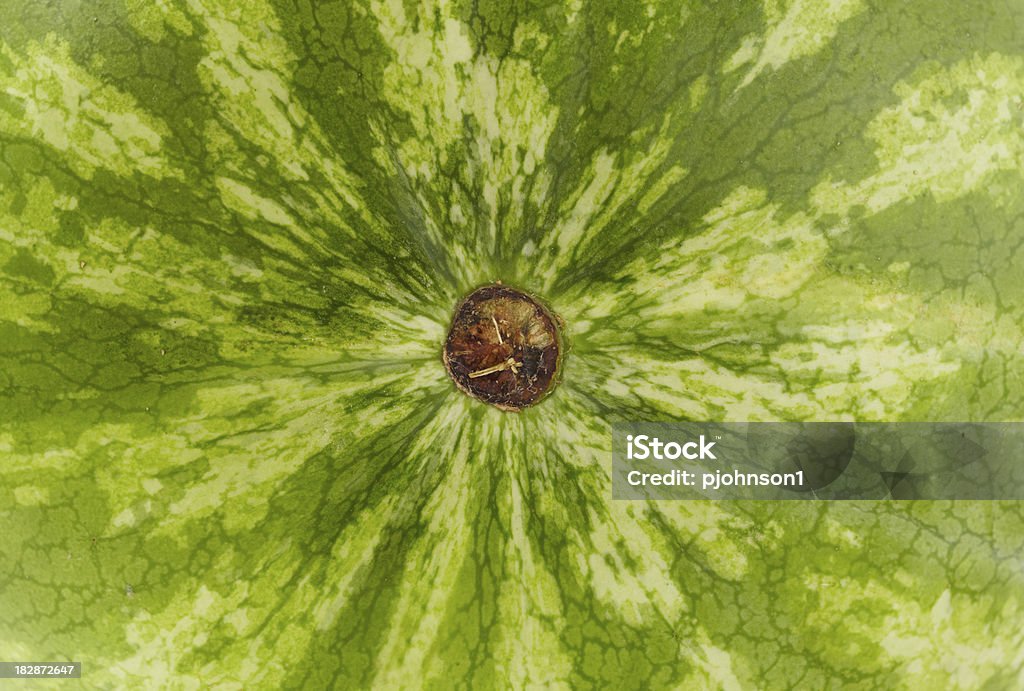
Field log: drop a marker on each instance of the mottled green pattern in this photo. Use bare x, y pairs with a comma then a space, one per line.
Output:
233, 233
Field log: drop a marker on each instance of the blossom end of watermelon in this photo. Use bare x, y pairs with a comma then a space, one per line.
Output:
503, 347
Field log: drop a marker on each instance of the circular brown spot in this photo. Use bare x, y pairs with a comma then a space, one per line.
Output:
503, 348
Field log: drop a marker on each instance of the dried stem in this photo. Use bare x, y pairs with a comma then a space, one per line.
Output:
510, 363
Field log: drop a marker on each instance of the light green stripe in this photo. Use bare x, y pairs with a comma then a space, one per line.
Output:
952, 131
93, 123
796, 29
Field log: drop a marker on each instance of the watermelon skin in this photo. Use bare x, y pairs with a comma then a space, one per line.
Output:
233, 235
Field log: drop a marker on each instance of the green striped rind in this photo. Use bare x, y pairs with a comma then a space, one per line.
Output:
232, 237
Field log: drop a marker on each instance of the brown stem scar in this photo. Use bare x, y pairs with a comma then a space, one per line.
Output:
501, 330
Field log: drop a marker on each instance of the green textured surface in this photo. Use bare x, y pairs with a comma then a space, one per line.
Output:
231, 236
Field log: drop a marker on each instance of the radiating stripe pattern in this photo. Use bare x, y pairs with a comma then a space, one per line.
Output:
233, 235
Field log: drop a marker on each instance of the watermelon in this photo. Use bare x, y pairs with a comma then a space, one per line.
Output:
235, 236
